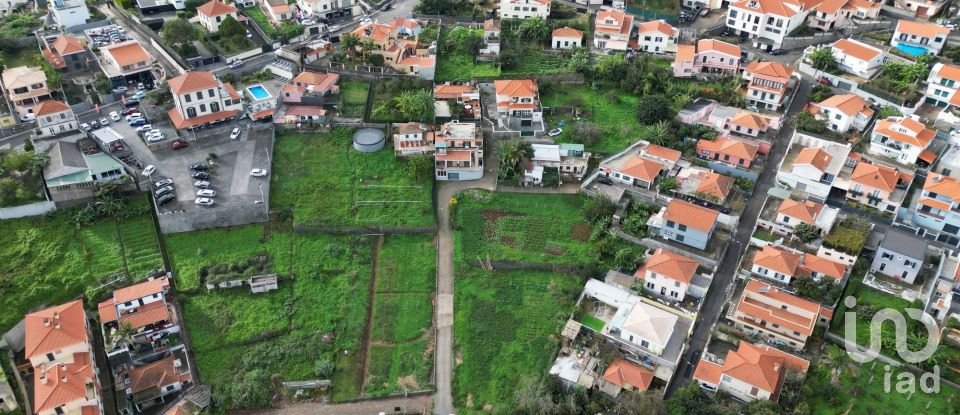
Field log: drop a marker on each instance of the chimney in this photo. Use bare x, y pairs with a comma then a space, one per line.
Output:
46, 322
776, 367
43, 378
63, 379
57, 326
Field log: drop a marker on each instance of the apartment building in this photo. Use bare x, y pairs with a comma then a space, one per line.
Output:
938, 208
844, 112
768, 83
612, 29
657, 36
900, 138
749, 373
54, 118
524, 9
857, 58
684, 222
767, 21
919, 37
458, 151
942, 85
900, 255
775, 315
200, 99
26, 87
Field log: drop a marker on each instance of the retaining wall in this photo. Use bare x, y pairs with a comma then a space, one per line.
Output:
23, 211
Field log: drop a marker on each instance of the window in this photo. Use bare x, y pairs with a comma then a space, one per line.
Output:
199, 95
754, 391
187, 98
783, 307
733, 14
170, 387
50, 357
774, 325
676, 284
682, 228
210, 93
725, 378
203, 107
670, 224
837, 117
644, 343
191, 112
679, 238
762, 270
58, 410
215, 107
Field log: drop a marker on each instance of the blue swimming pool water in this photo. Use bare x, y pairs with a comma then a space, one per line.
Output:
258, 92
911, 50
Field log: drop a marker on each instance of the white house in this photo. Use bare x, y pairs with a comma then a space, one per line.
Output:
776, 315
69, 13
53, 118
749, 373
212, 14
612, 29
668, 274
844, 112
767, 21
684, 222
938, 208
792, 213
857, 58
524, 9
812, 165
900, 138
942, 84
919, 37
900, 255
566, 38
324, 8
200, 98
657, 37
412, 139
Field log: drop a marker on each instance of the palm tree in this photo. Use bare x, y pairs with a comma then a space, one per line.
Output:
350, 42
658, 133
366, 46
822, 58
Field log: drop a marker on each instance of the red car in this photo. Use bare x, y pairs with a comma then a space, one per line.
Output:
129, 111
824, 81
178, 144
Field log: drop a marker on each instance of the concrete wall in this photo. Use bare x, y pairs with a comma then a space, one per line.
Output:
22, 211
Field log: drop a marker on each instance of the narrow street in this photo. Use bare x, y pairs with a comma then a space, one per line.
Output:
724, 277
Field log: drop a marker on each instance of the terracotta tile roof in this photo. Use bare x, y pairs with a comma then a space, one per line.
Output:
22, 76
68, 45
916, 134
848, 104
707, 45
947, 71
279, 8
857, 49
935, 203
404, 23
775, 7
491, 25
107, 311
746, 119
50, 107
927, 156
154, 375
777, 259
619, 22
813, 263
923, 29
814, 156
661, 152
642, 168
146, 315
685, 53
180, 123
377, 31
686, 213
143, 289
830, 6
806, 211
716, 185
262, 114
216, 8
179, 409
55, 328
943, 185
708, 372
193, 81
875, 176
306, 110
660, 26
761, 366
455, 155
770, 69
751, 305
735, 148
669, 264
127, 53
622, 372
517, 88
65, 383
443, 91
320, 81
230, 91
567, 32
864, 4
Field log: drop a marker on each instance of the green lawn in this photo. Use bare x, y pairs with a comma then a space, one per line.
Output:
594, 323
868, 299
328, 183
522, 228
507, 328
353, 98
262, 20
241, 339
611, 110
48, 261
460, 66
399, 359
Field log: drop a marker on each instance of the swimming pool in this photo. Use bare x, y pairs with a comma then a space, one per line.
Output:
258, 92
911, 50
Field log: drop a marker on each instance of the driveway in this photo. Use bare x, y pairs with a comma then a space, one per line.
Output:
723, 279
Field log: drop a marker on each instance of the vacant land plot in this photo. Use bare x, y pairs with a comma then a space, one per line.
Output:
386, 108
611, 110
353, 98
522, 228
460, 65
869, 302
534, 59
400, 357
311, 328
328, 183
507, 328
46, 261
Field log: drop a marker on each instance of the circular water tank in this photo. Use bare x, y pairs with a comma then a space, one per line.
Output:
368, 140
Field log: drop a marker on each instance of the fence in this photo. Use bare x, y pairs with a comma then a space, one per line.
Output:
22, 211
896, 12
649, 15
243, 55
447, 20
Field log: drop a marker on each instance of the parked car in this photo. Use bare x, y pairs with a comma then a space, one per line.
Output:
147, 171
129, 111
163, 191
206, 193
140, 86
162, 200
115, 116
94, 124
824, 81
143, 129
162, 183
137, 121
155, 138
333, 28
200, 175
203, 184
235, 64
555, 132
235, 134
198, 166
104, 122
85, 127
605, 180
778, 52
203, 201
178, 144
120, 90
28, 117
258, 172
138, 96
135, 114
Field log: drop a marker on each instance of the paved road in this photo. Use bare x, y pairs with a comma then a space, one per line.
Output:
415, 404
724, 277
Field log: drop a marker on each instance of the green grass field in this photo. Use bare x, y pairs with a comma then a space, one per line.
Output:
522, 228
328, 183
460, 66
613, 111
353, 98
507, 328
48, 261
399, 359
534, 60
313, 318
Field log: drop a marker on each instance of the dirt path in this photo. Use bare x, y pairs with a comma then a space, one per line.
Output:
367, 329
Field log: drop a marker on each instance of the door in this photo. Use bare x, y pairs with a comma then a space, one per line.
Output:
453, 176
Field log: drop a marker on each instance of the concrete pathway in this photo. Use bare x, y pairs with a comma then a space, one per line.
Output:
416, 404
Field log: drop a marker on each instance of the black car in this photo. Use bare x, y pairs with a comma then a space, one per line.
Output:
605, 180
778, 52
199, 166
200, 175
165, 199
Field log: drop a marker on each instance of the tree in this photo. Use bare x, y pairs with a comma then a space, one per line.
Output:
667, 184
290, 30
420, 168
657, 133
808, 122
375, 60
38, 161
597, 208
507, 59
179, 33
653, 108
415, 104
888, 111
806, 233
511, 155
349, 43
822, 58
535, 29
579, 60
230, 27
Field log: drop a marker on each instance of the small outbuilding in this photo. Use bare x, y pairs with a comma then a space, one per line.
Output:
368, 140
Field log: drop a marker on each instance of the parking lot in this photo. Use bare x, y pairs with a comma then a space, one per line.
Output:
240, 198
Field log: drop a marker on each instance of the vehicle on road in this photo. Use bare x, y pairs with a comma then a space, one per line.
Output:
824, 81
147, 171
555, 132
203, 201
115, 116
199, 166
778, 52
162, 183
206, 193
178, 144
333, 28
258, 172
235, 64
200, 175
203, 184
605, 180
235, 134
